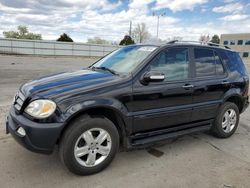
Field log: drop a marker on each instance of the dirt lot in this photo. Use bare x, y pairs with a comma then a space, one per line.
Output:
197, 160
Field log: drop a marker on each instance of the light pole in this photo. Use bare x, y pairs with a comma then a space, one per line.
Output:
158, 20
130, 28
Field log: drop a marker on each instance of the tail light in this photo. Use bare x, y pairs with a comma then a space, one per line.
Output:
245, 93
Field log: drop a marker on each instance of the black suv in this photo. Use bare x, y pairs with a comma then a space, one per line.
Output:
133, 97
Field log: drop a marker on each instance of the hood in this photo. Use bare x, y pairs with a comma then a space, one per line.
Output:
67, 82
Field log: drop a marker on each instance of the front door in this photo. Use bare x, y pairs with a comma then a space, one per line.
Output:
159, 105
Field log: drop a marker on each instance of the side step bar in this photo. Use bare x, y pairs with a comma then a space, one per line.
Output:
161, 137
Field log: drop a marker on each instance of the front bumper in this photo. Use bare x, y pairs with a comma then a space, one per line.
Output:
40, 137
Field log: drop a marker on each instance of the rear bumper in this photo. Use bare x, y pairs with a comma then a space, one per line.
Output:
40, 137
245, 105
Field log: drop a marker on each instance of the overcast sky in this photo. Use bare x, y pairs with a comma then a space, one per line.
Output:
109, 19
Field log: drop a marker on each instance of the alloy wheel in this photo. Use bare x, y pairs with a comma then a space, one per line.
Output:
92, 147
229, 120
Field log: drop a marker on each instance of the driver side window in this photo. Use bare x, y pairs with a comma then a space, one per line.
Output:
173, 63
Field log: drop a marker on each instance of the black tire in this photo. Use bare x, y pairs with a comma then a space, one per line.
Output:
217, 129
71, 135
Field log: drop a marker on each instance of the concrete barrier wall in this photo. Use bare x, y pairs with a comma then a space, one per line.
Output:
53, 48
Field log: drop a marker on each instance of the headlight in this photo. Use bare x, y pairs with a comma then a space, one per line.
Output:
41, 108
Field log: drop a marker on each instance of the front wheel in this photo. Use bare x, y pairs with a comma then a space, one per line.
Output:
227, 120
89, 145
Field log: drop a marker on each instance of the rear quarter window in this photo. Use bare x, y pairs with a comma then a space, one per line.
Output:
235, 63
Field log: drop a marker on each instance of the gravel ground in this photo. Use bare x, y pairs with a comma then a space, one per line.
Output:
197, 160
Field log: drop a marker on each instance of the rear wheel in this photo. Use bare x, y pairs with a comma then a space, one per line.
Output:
89, 145
226, 121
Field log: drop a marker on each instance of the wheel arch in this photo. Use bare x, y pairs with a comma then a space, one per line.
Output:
236, 100
235, 97
114, 115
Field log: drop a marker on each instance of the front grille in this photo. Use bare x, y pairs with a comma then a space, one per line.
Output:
19, 100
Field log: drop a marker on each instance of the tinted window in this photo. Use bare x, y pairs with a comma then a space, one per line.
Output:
173, 63
247, 42
204, 62
240, 42
234, 63
245, 54
218, 64
232, 42
225, 42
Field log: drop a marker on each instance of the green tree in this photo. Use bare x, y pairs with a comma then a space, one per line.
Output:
22, 33
215, 39
97, 40
64, 38
127, 40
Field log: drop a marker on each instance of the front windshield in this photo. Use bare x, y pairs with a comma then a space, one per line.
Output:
125, 60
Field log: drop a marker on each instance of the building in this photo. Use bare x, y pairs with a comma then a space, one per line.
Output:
238, 42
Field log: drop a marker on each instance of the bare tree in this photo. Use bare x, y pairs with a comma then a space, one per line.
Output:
204, 39
140, 34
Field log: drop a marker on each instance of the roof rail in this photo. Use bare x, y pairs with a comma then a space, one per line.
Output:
201, 43
215, 44
172, 41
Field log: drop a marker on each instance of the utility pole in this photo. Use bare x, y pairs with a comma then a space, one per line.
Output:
157, 31
130, 28
158, 21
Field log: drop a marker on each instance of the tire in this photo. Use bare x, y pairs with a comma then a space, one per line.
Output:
223, 126
76, 140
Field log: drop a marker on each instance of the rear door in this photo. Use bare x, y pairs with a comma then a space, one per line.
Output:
210, 83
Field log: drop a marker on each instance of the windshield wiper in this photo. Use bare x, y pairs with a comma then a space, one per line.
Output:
106, 69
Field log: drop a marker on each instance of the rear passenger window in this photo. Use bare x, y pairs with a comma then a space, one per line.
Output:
218, 64
207, 63
204, 62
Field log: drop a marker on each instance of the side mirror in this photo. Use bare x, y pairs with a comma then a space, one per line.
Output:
153, 77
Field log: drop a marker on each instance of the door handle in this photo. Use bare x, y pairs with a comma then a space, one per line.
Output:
188, 86
224, 82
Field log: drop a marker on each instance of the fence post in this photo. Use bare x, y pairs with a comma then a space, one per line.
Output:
89, 50
11, 46
34, 48
54, 49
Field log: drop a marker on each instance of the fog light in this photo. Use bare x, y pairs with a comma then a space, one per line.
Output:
21, 131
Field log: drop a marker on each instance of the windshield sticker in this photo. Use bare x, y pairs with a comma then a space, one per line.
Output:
147, 48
